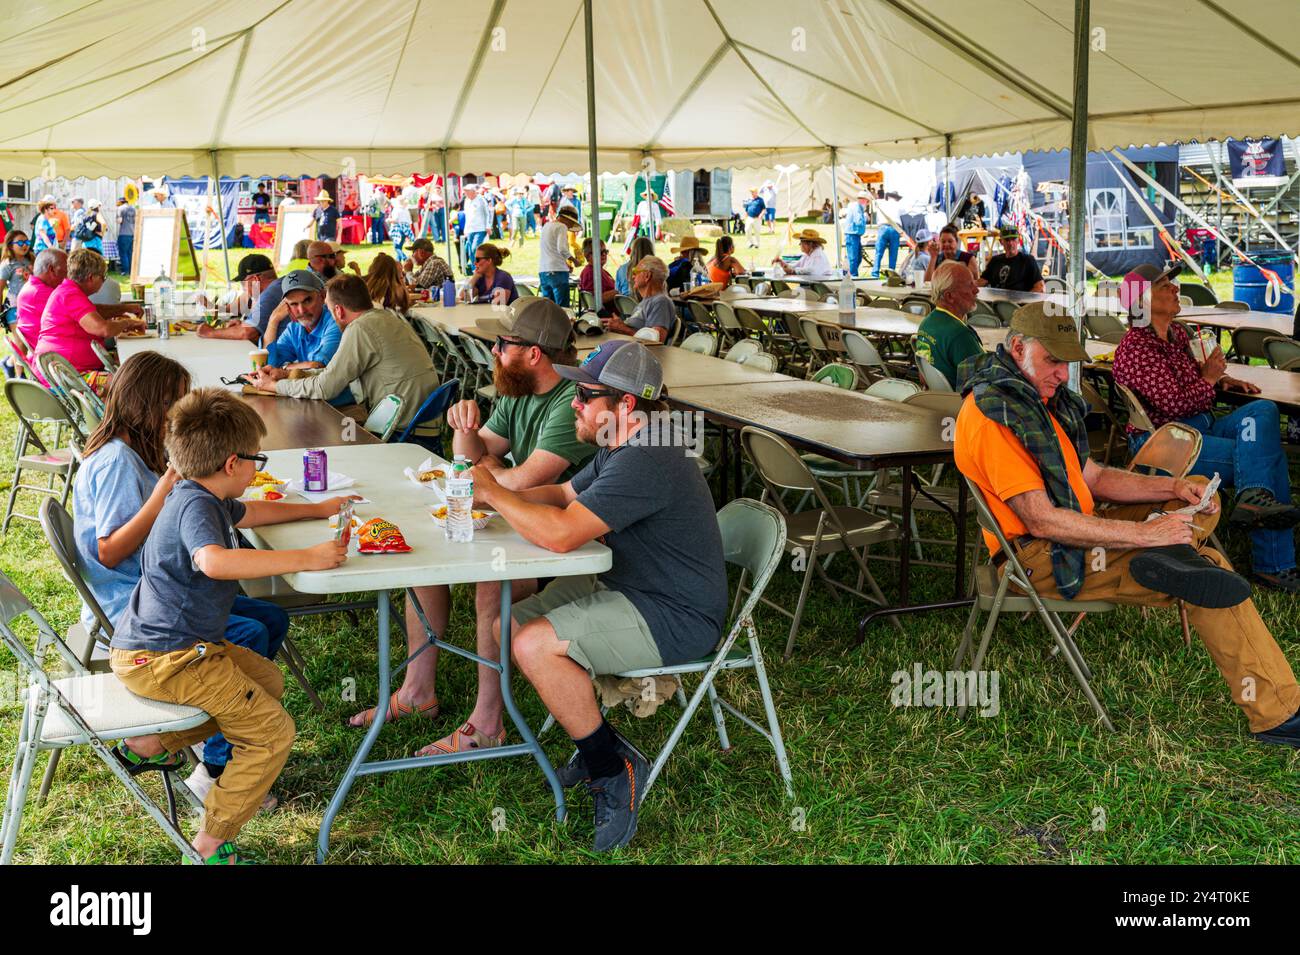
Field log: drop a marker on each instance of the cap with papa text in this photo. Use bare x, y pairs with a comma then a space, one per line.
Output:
1057, 332
536, 320
627, 366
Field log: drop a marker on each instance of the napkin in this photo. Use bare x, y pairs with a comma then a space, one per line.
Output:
428, 464
337, 482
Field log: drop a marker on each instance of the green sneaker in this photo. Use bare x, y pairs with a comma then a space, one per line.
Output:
226, 854
135, 765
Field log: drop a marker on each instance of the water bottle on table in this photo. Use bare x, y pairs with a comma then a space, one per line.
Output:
459, 526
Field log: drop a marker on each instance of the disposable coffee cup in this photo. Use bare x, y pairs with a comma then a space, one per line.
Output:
258, 357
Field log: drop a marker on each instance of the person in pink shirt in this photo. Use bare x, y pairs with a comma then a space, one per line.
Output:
49, 269
71, 320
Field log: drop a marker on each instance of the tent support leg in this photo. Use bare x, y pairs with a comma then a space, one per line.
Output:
1079, 172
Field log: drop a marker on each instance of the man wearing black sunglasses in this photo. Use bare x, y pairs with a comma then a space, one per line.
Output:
664, 600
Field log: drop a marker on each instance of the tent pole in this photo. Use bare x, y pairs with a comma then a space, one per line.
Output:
1218, 192
446, 208
598, 289
835, 213
947, 174
221, 215
1079, 172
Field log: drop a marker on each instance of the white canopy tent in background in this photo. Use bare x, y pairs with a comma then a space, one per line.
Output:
123, 87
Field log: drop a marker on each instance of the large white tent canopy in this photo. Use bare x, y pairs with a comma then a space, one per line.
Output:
124, 87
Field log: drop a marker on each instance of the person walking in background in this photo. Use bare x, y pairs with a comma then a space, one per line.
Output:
768, 192
90, 233
478, 219
399, 226
125, 234
46, 226
887, 234
855, 227
753, 217
78, 216
554, 260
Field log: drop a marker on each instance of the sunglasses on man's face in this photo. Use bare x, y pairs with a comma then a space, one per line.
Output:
258, 459
503, 343
587, 395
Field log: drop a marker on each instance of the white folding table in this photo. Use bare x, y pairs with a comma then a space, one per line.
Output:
496, 553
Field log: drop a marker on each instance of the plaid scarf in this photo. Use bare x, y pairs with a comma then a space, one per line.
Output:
1004, 395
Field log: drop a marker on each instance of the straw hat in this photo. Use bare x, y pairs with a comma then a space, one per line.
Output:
323, 196
649, 194
810, 235
688, 242
569, 216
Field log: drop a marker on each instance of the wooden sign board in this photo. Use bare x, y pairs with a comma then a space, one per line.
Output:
157, 244
293, 222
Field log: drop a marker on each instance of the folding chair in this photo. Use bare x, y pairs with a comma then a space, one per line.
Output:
526, 291
587, 301
21, 355
1137, 415
763, 360
728, 324
432, 409
893, 389
701, 316
883, 301
753, 539
994, 595
819, 352
91, 411
1115, 435
1281, 351
742, 350
1199, 294
484, 361
1232, 305
823, 531
1054, 284
383, 417
839, 375
932, 377
916, 305
625, 305
864, 356
64, 380
753, 326
983, 320
82, 709
104, 355
35, 406
1248, 343
703, 343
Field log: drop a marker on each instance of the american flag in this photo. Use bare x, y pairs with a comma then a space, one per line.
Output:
666, 204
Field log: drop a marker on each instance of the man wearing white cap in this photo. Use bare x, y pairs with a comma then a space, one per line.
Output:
478, 219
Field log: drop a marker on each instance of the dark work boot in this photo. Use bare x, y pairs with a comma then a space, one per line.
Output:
1179, 571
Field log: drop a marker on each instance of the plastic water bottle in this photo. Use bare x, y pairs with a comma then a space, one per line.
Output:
848, 299
448, 293
459, 526
164, 301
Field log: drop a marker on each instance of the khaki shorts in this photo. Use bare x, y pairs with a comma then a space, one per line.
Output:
605, 632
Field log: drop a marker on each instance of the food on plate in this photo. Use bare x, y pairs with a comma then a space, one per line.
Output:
131, 334
378, 536
433, 474
272, 496
264, 477
441, 514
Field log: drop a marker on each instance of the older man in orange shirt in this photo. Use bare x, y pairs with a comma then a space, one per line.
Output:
1021, 439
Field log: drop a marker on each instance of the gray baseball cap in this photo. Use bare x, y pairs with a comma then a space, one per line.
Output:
536, 320
302, 280
627, 366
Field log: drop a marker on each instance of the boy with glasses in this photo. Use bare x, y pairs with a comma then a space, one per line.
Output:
169, 643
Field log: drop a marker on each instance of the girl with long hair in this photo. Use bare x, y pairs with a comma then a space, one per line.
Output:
385, 284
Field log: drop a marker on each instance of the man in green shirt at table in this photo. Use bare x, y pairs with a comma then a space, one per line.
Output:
944, 339
532, 421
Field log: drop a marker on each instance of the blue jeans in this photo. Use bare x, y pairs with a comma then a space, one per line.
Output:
377, 234
125, 249
886, 238
261, 627
472, 241
555, 286
440, 225
532, 220
853, 246
1245, 448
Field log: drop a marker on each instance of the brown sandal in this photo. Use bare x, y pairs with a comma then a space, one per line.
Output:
396, 710
477, 740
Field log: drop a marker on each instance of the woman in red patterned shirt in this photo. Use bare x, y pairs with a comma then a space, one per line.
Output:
1157, 362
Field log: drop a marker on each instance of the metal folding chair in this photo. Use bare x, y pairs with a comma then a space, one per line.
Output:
864, 356
34, 407
742, 350
704, 343
84, 709
813, 534
1248, 343
932, 377
384, 416
994, 595
1281, 352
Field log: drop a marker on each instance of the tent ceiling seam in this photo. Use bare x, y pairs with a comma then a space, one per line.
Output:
843, 89
471, 77
690, 90
1251, 32
981, 58
559, 51
219, 130
726, 35
397, 68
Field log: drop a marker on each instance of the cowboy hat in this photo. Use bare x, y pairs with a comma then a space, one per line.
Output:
809, 235
569, 216
323, 196
688, 242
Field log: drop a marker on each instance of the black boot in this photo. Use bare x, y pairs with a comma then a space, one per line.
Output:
1179, 571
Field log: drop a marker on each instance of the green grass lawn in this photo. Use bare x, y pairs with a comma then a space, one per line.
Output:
1040, 781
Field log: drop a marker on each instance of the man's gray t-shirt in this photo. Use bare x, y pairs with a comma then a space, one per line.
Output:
667, 549
175, 604
657, 311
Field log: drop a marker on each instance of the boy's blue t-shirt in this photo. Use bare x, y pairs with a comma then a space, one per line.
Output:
175, 605
112, 486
